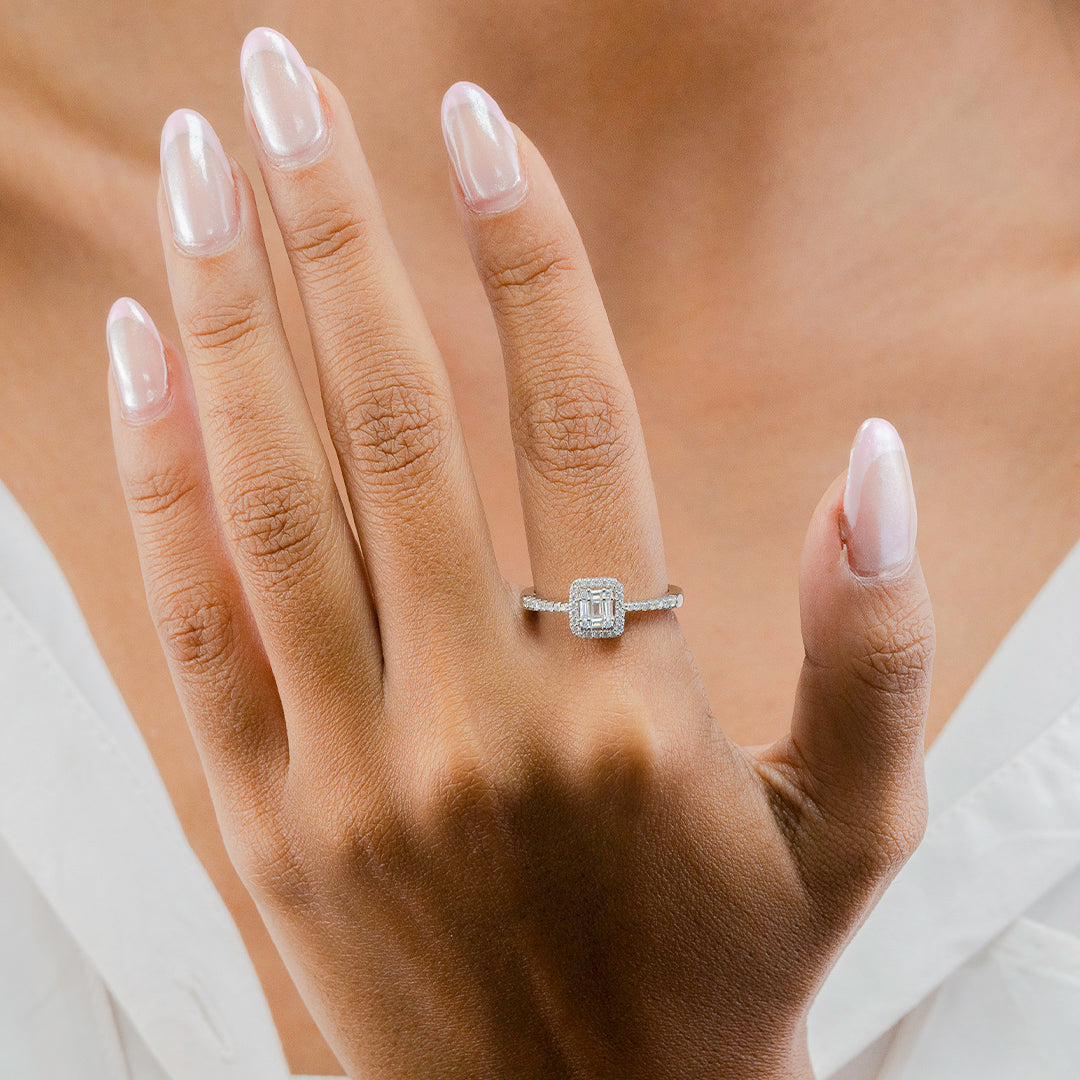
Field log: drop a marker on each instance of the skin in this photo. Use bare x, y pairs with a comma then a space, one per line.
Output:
843, 266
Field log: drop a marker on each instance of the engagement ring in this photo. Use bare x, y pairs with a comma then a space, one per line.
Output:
597, 606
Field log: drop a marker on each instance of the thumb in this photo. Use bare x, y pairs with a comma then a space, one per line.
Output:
868, 635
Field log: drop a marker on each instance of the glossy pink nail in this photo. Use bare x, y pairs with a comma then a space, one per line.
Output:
137, 359
283, 98
879, 502
482, 149
199, 184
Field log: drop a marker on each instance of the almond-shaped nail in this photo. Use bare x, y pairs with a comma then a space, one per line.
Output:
879, 502
283, 98
199, 187
137, 359
482, 149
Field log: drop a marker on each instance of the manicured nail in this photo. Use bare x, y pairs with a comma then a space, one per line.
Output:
199, 184
282, 97
137, 359
482, 148
879, 502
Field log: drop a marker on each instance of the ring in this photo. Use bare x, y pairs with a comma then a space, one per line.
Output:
597, 605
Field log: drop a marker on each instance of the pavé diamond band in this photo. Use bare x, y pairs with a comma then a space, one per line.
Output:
598, 607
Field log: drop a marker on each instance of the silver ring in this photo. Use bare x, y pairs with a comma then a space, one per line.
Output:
598, 607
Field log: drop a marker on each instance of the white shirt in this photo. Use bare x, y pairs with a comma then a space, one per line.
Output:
119, 960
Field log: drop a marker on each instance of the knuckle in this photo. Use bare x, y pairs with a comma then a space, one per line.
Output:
625, 749
196, 626
891, 836
460, 782
360, 848
162, 495
896, 651
865, 849
538, 272
458, 787
232, 326
567, 425
275, 520
329, 234
272, 864
624, 768
398, 428
905, 832
350, 837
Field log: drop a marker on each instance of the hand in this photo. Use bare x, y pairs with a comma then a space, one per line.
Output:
486, 847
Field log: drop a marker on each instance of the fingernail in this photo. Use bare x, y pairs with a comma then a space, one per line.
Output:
137, 359
482, 148
283, 98
199, 184
879, 502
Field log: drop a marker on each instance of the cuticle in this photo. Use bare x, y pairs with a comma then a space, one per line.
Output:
481, 212
231, 242
890, 573
209, 253
293, 164
160, 409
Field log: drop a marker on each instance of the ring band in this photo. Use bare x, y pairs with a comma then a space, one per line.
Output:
598, 607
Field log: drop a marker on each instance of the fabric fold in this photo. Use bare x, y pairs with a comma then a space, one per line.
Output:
85, 812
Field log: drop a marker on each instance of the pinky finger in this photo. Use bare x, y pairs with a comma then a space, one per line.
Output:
214, 653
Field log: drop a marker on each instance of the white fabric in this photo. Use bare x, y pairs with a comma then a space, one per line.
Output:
119, 960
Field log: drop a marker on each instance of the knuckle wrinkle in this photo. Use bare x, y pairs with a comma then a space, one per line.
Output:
196, 627
568, 426
898, 654
231, 326
160, 495
537, 273
399, 428
328, 234
275, 521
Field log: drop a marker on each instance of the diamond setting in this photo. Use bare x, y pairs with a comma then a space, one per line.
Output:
597, 607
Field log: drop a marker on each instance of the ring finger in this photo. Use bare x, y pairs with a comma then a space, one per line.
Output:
587, 495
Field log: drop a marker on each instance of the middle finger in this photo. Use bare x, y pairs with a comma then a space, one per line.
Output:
387, 395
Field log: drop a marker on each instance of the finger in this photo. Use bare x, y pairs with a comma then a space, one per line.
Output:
283, 521
868, 633
220, 670
587, 495
387, 397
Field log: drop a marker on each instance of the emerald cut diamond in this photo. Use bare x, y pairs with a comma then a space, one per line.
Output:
597, 607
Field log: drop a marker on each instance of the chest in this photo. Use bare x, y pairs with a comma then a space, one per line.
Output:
742, 437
